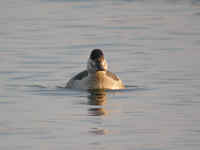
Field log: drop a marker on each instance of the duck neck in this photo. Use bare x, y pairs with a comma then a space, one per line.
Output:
97, 74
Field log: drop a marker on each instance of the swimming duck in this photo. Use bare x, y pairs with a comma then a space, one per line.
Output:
96, 76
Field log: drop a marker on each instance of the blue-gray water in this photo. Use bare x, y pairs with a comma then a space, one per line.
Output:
152, 45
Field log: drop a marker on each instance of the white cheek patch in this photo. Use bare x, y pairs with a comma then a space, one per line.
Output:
91, 65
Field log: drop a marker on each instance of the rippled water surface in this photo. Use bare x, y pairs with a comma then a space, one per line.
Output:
152, 45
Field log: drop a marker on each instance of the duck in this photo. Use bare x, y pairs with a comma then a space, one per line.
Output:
96, 76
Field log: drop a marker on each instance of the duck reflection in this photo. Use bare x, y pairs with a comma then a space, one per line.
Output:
98, 131
97, 98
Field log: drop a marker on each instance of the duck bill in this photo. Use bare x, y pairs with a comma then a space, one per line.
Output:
100, 67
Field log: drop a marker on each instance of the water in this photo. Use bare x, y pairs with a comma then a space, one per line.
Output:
152, 45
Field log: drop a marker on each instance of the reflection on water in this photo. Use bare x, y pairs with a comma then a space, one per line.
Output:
98, 131
97, 112
97, 98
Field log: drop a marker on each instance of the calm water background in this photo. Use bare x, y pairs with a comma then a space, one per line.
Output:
153, 45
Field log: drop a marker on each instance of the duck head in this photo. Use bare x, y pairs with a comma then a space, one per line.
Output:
96, 61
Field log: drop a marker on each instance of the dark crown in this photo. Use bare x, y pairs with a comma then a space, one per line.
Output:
96, 53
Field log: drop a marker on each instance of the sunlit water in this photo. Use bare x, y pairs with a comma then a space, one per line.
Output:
152, 45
